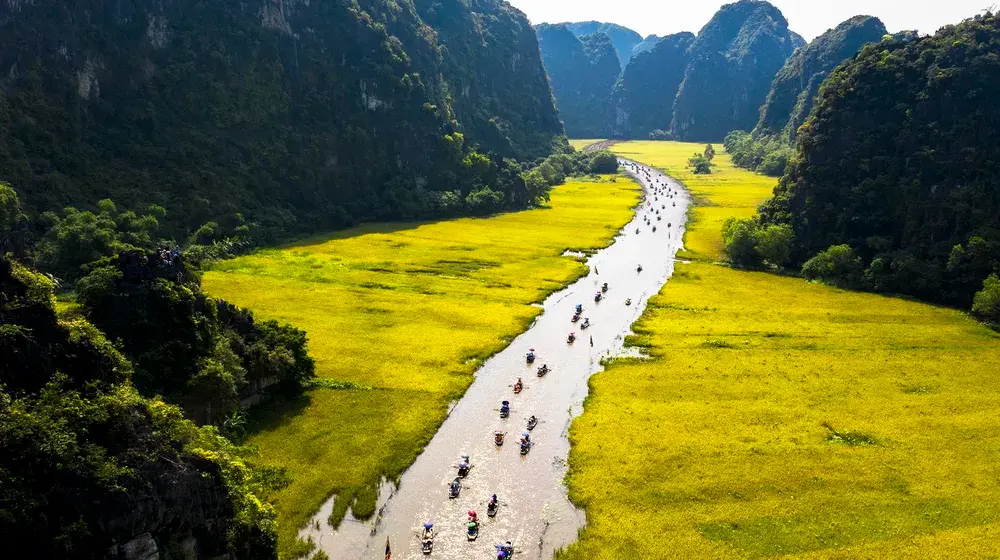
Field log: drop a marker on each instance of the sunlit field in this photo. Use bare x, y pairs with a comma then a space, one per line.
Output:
580, 144
780, 418
405, 313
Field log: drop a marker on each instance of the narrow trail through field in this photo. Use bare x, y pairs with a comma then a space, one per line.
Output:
535, 513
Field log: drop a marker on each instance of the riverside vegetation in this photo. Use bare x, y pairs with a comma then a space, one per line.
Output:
398, 317
781, 417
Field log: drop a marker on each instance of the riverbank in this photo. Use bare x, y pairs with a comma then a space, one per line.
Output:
399, 316
785, 418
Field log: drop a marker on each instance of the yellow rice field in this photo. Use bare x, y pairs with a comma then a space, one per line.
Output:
405, 312
780, 418
581, 143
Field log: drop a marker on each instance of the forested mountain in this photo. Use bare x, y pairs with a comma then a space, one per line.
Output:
623, 38
768, 148
642, 100
646, 45
732, 63
899, 162
797, 83
90, 469
298, 115
582, 71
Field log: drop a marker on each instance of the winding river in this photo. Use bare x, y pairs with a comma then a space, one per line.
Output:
535, 514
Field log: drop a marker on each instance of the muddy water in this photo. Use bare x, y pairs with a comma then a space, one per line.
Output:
535, 513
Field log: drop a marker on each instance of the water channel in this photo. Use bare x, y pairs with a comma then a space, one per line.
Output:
535, 514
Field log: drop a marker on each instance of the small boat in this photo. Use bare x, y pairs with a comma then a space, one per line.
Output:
491, 509
518, 387
498, 437
532, 422
543, 370
455, 488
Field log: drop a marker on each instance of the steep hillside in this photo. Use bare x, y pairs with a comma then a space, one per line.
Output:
582, 71
90, 469
646, 45
298, 115
733, 61
797, 83
643, 97
623, 38
899, 161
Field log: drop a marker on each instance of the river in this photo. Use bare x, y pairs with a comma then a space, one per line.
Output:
535, 513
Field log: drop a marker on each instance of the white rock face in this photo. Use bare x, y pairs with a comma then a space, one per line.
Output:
274, 16
87, 85
157, 32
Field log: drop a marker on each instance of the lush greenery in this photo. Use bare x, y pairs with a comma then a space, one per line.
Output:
642, 99
785, 418
87, 464
732, 62
624, 39
768, 148
795, 86
405, 313
899, 163
298, 116
203, 354
582, 71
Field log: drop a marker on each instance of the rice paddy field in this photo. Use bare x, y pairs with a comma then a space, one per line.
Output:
780, 418
580, 144
398, 317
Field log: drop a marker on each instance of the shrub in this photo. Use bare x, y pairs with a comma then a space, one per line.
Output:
700, 164
774, 243
603, 162
739, 235
838, 264
986, 302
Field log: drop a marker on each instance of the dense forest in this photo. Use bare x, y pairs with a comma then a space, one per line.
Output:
91, 468
893, 184
582, 71
637, 101
297, 116
768, 147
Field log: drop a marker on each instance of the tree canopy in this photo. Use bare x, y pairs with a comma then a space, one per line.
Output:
899, 162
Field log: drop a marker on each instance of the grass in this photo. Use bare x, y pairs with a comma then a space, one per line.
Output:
780, 418
399, 316
580, 144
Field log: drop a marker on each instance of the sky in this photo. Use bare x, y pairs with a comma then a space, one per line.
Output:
808, 18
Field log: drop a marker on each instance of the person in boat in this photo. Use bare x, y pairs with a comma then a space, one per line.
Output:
473, 517
498, 437
428, 531
494, 502
532, 420
638, 268
519, 385
455, 484
525, 438
463, 465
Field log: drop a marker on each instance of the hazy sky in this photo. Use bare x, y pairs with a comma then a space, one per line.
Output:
809, 18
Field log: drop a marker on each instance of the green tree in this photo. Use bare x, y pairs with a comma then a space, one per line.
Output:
700, 164
740, 238
81, 237
838, 264
773, 243
603, 162
986, 303
709, 152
